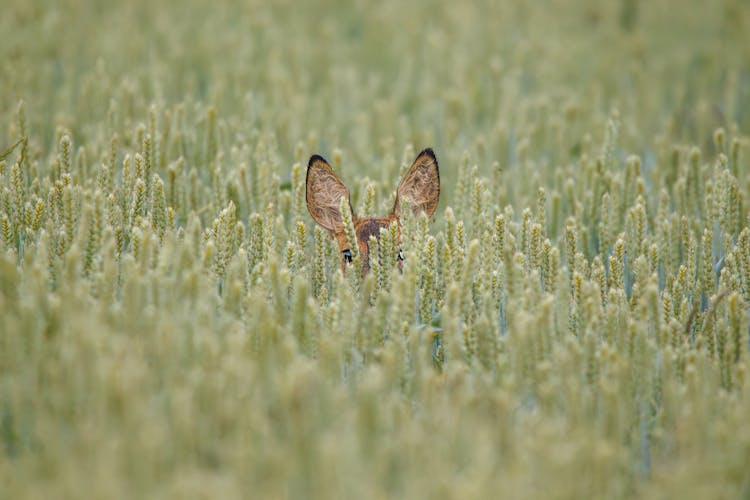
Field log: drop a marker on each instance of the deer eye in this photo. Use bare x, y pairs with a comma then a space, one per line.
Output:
400, 256
347, 256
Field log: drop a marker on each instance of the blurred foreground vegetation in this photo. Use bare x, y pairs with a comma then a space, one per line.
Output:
573, 323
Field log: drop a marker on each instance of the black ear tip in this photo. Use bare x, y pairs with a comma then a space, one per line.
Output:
429, 152
314, 159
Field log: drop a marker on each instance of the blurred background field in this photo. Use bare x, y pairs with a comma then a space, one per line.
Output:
573, 323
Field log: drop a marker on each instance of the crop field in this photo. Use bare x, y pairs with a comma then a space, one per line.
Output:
571, 322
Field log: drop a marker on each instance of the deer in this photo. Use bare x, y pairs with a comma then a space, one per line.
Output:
419, 189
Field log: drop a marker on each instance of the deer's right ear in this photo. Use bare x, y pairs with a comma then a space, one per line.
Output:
324, 191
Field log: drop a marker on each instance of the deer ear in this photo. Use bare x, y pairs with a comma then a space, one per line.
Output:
420, 186
324, 193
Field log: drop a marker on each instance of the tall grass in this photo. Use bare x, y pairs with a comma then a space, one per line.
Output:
574, 324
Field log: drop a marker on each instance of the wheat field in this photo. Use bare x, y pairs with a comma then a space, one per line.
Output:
571, 323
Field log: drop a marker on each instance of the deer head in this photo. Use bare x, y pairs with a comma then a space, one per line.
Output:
420, 188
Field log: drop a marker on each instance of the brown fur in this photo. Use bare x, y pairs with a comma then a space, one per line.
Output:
420, 189
366, 228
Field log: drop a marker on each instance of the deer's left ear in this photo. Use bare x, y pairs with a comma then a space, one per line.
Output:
420, 186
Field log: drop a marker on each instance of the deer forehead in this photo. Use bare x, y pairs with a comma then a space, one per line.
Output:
371, 227
365, 227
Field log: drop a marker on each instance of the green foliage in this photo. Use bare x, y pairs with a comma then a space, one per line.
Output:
573, 324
